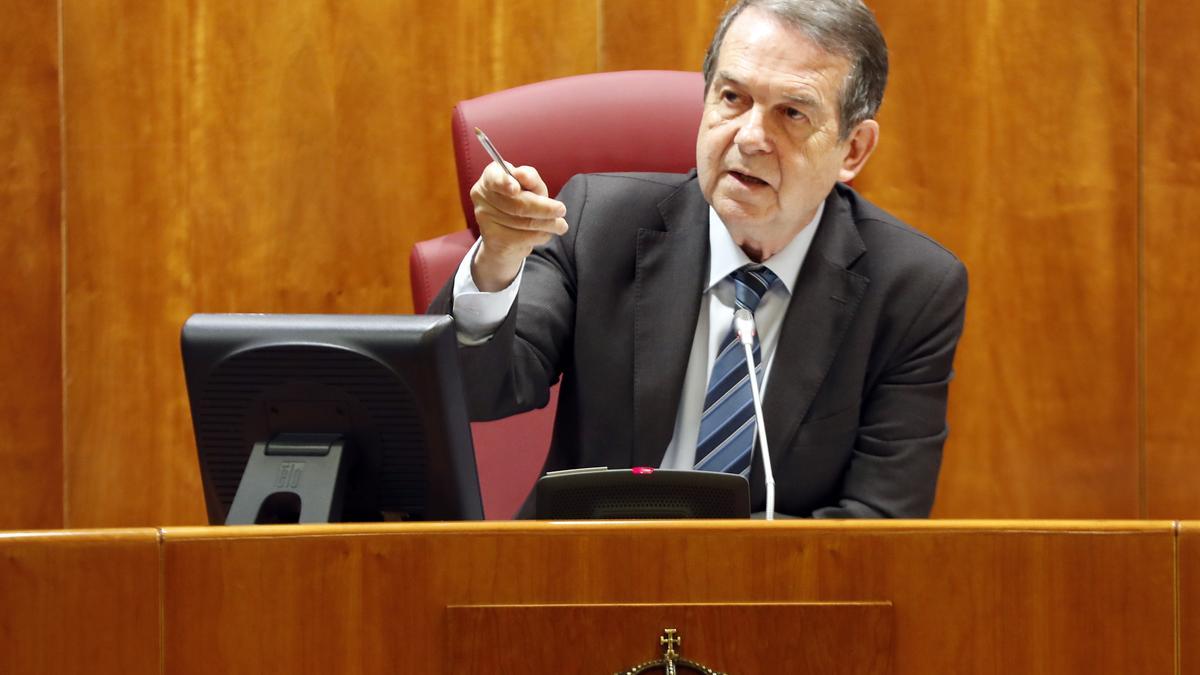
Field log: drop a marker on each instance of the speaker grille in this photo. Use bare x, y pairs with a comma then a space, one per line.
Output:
580, 498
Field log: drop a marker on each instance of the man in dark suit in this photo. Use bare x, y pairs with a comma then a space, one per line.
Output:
631, 303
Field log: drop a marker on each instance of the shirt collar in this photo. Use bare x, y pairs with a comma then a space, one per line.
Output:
725, 256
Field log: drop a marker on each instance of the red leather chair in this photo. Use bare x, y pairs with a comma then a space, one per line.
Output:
623, 121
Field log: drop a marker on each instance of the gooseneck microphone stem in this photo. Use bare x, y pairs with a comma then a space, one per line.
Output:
743, 322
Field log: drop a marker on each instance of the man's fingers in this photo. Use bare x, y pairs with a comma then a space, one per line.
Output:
531, 180
490, 215
513, 220
527, 199
527, 205
524, 204
495, 179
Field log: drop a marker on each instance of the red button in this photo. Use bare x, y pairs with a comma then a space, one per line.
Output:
642, 470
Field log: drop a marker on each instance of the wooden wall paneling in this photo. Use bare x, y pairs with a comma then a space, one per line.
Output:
531, 41
307, 153
248, 157
1171, 248
30, 268
128, 279
80, 602
968, 597
1188, 630
227, 156
320, 139
1008, 134
638, 35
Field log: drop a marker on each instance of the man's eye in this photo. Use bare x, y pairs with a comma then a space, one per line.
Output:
795, 114
730, 96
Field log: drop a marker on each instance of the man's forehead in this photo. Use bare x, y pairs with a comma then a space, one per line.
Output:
760, 46
807, 88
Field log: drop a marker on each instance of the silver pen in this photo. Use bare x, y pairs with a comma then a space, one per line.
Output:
495, 154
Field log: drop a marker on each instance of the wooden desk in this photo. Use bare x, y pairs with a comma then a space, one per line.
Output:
1188, 630
965, 597
80, 602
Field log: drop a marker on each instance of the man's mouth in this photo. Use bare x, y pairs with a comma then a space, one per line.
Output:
748, 180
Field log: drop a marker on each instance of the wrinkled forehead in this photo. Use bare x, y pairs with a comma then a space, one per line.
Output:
762, 48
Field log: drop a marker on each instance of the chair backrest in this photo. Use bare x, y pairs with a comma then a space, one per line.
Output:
637, 120
626, 121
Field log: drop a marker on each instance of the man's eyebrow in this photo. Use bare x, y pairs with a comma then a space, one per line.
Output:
803, 99
725, 76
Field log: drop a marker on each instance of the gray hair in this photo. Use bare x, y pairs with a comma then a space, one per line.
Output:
843, 27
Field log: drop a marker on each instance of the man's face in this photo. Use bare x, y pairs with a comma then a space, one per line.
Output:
768, 152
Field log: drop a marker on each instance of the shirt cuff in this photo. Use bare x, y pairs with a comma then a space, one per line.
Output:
477, 314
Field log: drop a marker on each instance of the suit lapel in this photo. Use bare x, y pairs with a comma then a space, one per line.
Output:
823, 305
668, 284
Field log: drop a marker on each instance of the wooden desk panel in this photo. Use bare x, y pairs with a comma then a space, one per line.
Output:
826, 638
79, 602
1188, 630
977, 597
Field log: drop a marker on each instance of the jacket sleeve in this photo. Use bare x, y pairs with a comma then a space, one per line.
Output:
894, 465
513, 372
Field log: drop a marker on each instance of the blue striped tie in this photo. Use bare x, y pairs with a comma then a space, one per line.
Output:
727, 425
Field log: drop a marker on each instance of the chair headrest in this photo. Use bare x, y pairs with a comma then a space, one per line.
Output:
639, 120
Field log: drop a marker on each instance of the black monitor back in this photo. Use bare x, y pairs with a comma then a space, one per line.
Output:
388, 386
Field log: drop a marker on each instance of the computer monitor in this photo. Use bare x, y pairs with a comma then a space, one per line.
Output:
320, 418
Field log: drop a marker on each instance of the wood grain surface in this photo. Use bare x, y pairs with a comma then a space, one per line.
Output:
1009, 135
1172, 247
128, 277
30, 268
668, 35
79, 602
968, 597
746, 638
1188, 628
230, 156
225, 156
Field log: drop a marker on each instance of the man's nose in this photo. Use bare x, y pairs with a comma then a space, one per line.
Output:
752, 137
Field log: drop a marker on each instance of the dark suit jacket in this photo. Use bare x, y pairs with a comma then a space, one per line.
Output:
855, 407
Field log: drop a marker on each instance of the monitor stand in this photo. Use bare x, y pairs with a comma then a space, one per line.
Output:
293, 478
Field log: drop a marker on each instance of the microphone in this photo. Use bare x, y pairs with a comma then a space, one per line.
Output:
743, 323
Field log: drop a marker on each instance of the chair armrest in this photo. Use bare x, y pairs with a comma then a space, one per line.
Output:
431, 264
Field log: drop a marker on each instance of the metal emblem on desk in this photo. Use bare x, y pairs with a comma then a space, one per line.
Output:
671, 662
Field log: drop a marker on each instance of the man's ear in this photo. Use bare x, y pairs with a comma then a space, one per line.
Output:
859, 147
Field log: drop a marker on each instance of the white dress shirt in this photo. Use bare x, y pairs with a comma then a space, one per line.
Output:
478, 314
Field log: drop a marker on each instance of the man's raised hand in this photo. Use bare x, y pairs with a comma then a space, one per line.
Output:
513, 219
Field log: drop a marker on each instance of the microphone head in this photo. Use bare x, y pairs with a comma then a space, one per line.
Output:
743, 323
